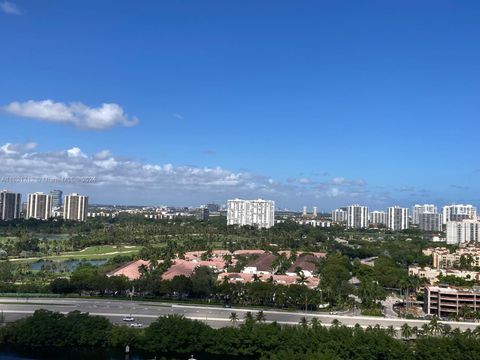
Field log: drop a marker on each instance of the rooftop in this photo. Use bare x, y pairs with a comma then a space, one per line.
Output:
263, 262
306, 262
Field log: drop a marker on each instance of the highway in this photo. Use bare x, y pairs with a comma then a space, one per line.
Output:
146, 312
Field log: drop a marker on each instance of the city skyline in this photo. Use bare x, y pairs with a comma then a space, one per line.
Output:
188, 103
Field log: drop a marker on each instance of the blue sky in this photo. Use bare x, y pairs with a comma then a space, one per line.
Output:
318, 103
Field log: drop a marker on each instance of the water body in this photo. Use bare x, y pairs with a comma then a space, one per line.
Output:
19, 353
63, 266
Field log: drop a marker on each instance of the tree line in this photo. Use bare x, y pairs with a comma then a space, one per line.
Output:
248, 337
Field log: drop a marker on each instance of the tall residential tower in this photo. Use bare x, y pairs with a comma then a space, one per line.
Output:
260, 213
39, 206
9, 205
357, 217
75, 207
397, 218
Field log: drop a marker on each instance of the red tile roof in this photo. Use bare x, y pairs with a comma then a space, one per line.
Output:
304, 262
263, 262
286, 280
130, 269
180, 267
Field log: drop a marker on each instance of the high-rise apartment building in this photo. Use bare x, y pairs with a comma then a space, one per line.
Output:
315, 211
39, 206
202, 214
56, 198
75, 207
397, 218
462, 232
357, 217
260, 213
459, 212
304, 213
339, 215
378, 218
428, 221
421, 209
10, 205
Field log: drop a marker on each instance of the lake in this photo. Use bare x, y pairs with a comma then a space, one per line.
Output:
63, 266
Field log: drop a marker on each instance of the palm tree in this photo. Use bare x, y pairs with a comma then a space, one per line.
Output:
455, 332
476, 331
260, 316
303, 322
446, 329
228, 260
234, 318
424, 330
406, 331
391, 331
465, 312
315, 322
435, 326
301, 278
415, 331
143, 270
248, 317
336, 323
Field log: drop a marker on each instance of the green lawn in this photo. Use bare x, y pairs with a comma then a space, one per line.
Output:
90, 253
5, 238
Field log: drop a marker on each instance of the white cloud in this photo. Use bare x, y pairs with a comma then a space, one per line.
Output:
102, 155
75, 113
20, 160
9, 8
75, 152
178, 116
119, 180
9, 148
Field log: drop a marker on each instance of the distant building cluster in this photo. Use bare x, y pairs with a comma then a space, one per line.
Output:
358, 217
456, 224
459, 221
462, 263
42, 206
76, 207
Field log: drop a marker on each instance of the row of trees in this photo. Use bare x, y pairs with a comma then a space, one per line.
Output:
253, 338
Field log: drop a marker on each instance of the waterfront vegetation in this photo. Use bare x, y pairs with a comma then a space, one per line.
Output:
251, 337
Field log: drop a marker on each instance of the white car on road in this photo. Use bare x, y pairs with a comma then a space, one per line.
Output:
129, 318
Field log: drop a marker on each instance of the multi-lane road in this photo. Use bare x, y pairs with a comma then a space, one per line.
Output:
146, 312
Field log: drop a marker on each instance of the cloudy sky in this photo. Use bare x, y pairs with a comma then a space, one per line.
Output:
316, 103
